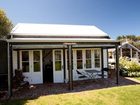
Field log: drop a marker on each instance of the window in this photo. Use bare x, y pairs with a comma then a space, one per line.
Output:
126, 52
79, 59
58, 64
36, 61
88, 58
97, 58
25, 61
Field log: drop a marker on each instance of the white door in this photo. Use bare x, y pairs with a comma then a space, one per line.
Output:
31, 64
36, 73
58, 72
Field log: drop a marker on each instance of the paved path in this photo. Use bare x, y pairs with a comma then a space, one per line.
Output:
133, 79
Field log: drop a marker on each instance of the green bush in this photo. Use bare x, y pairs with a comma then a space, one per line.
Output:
131, 67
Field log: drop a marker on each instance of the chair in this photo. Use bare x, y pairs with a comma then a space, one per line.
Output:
81, 75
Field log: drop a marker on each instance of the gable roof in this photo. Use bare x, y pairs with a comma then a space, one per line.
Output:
55, 30
127, 44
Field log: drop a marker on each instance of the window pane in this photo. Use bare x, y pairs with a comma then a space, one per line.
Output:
79, 59
36, 56
57, 55
79, 64
79, 54
25, 66
88, 58
97, 63
88, 63
97, 55
88, 54
25, 61
36, 66
25, 56
58, 65
58, 60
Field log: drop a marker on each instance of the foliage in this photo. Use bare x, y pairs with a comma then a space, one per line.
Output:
5, 24
123, 95
128, 37
132, 67
132, 39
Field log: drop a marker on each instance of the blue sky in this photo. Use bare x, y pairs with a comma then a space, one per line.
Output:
115, 17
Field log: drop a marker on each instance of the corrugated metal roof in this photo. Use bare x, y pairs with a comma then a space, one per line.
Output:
27, 29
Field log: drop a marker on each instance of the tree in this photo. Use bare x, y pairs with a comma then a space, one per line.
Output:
132, 39
5, 24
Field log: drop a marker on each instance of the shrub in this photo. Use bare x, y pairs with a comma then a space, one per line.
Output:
131, 67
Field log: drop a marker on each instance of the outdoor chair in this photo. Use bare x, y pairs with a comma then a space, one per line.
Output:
81, 75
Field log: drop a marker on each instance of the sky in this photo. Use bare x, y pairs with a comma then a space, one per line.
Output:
115, 17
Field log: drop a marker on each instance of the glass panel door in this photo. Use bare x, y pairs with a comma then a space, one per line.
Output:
36, 61
25, 61
31, 64
58, 73
58, 64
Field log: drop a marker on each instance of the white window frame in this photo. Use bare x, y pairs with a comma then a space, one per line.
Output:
99, 49
88, 58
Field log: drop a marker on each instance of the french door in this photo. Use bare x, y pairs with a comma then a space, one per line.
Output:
84, 59
31, 65
58, 71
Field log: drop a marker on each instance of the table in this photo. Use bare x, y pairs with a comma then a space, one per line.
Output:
92, 73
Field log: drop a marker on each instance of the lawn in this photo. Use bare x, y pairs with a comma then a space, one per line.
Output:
138, 78
124, 95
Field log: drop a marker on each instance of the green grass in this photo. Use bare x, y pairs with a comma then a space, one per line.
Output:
125, 95
138, 78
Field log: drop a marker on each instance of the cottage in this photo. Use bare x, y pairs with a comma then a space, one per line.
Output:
125, 50
53, 53
130, 51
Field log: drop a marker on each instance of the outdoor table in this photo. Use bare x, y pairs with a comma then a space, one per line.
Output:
92, 73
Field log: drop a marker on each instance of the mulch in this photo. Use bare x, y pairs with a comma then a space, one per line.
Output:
35, 91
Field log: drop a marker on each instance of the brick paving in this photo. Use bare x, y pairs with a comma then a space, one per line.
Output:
35, 91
